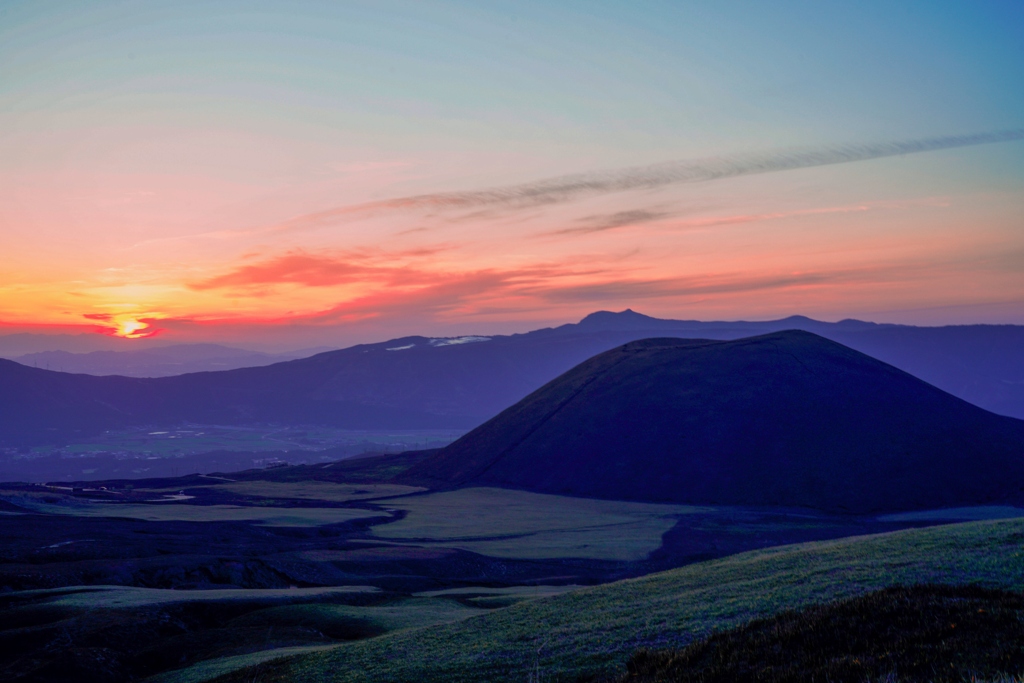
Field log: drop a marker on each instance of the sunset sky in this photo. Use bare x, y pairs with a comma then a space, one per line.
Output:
303, 173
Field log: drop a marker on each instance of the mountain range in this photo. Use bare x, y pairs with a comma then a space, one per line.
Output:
458, 383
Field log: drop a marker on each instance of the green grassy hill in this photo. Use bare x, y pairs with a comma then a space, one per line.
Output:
596, 630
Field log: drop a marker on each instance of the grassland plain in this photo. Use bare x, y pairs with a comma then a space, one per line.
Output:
316, 490
518, 524
174, 512
595, 630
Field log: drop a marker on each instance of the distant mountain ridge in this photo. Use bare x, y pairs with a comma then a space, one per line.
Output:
784, 419
458, 383
162, 361
982, 364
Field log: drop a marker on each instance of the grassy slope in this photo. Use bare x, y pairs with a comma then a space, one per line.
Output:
598, 628
409, 613
212, 668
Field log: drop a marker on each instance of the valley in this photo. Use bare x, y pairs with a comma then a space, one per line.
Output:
226, 572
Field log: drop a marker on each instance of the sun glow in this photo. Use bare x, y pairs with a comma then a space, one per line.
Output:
124, 326
130, 328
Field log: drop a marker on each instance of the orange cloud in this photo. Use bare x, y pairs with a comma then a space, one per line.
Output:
321, 270
296, 268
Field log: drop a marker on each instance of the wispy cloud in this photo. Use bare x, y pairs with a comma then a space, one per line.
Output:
624, 219
571, 187
635, 290
610, 221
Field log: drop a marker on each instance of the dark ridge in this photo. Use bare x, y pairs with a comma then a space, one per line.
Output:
374, 468
40, 406
784, 419
920, 634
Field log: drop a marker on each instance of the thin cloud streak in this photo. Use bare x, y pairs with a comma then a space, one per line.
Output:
619, 219
570, 187
641, 217
631, 290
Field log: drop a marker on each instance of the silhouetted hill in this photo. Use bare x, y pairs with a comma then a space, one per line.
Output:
785, 419
39, 405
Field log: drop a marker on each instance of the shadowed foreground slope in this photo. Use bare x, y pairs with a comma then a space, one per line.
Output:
920, 634
784, 419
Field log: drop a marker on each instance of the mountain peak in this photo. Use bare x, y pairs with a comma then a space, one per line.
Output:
785, 419
622, 320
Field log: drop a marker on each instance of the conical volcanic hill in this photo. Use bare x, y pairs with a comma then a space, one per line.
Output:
784, 419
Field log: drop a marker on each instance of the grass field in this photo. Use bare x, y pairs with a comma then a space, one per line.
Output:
175, 512
596, 629
505, 523
316, 490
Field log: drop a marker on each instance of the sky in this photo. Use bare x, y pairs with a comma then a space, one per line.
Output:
325, 173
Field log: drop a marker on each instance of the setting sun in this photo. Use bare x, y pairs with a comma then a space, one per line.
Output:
130, 328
